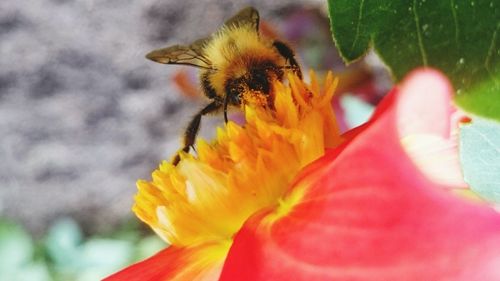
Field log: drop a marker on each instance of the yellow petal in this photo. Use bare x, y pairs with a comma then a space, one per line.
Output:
206, 198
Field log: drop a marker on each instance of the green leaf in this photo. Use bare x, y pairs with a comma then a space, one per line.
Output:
101, 257
356, 110
62, 243
459, 37
483, 98
16, 248
106, 252
480, 157
149, 246
31, 272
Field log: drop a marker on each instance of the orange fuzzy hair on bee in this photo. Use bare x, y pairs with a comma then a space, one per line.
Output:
234, 50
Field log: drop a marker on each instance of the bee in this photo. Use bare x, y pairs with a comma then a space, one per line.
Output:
237, 66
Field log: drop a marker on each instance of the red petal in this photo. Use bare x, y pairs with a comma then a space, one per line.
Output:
370, 214
173, 263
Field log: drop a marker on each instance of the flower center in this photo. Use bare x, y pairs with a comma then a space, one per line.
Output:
206, 198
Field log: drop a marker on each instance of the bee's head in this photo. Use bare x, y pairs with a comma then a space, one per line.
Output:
255, 86
242, 91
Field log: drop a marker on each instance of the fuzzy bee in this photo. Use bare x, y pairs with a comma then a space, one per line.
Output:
237, 66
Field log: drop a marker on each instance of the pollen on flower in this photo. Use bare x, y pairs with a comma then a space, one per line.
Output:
247, 168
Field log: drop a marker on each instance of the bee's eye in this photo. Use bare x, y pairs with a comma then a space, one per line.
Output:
235, 91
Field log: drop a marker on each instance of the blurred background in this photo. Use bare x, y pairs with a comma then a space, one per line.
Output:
83, 115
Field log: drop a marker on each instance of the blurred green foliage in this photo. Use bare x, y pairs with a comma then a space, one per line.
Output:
64, 253
356, 111
480, 157
460, 38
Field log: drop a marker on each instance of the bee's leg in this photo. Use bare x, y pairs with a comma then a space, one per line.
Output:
288, 54
226, 101
194, 126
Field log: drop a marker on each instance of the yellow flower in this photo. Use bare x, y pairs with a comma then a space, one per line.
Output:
206, 198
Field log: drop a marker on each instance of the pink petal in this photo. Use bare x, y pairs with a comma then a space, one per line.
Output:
430, 137
174, 263
371, 214
420, 89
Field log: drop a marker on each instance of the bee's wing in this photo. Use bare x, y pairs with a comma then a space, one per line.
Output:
181, 54
247, 16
